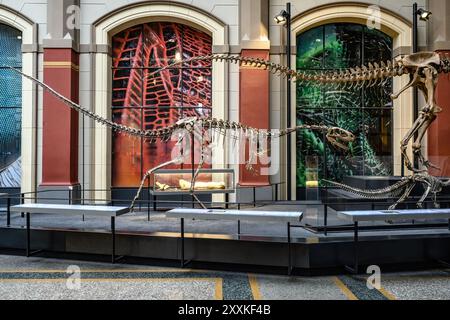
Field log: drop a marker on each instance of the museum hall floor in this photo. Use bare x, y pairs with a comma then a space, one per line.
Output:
38, 278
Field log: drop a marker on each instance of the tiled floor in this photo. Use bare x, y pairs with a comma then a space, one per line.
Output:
39, 278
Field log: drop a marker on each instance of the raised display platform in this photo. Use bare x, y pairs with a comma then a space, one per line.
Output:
260, 246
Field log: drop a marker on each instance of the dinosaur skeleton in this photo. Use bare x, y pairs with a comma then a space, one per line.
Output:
336, 136
423, 68
401, 189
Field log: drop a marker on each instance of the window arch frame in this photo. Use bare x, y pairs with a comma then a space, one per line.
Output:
391, 24
10, 103
120, 20
29, 129
144, 106
365, 105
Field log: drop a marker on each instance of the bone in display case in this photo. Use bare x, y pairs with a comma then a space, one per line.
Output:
208, 181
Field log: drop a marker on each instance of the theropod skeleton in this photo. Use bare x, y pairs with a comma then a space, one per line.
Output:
423, 69
337, 137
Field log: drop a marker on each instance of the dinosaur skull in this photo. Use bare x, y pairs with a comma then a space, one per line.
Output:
340, 138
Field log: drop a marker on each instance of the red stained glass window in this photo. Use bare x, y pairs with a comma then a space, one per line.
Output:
145, 100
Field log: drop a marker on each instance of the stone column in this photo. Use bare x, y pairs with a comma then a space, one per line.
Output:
254, 106
60, 123
439, 35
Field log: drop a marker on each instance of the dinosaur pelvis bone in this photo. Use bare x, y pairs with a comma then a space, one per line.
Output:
421, 60
422, 68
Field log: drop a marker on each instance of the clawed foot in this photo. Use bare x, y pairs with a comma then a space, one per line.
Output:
393, 207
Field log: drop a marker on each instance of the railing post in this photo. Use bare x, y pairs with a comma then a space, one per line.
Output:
227, 201
148, 200
8, 212
22, 201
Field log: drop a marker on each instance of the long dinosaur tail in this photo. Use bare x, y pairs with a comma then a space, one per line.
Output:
394, 190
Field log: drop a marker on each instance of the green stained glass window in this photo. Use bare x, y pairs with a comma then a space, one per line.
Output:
367, 112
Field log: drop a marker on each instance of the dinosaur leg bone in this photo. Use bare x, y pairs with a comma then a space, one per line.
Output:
199, 134
435, 203
403, 197
431, 76
177, 160
424, 196
200, 165
429, 112
417, 145
405, 141
148, 174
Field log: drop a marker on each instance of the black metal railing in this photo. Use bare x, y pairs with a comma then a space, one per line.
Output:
151, 204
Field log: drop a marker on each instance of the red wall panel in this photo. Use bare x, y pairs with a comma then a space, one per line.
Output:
439, 133
254, 109
60, 123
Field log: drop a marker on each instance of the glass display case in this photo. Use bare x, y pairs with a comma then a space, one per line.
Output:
312, 178
178, 182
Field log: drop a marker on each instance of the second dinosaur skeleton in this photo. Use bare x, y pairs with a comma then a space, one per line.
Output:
402, 189
337, 137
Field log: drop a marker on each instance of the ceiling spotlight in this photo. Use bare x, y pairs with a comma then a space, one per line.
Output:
424, 15
282, 17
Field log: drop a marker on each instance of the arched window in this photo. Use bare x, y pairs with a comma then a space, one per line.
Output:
10, 107
364, 111
150, 101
